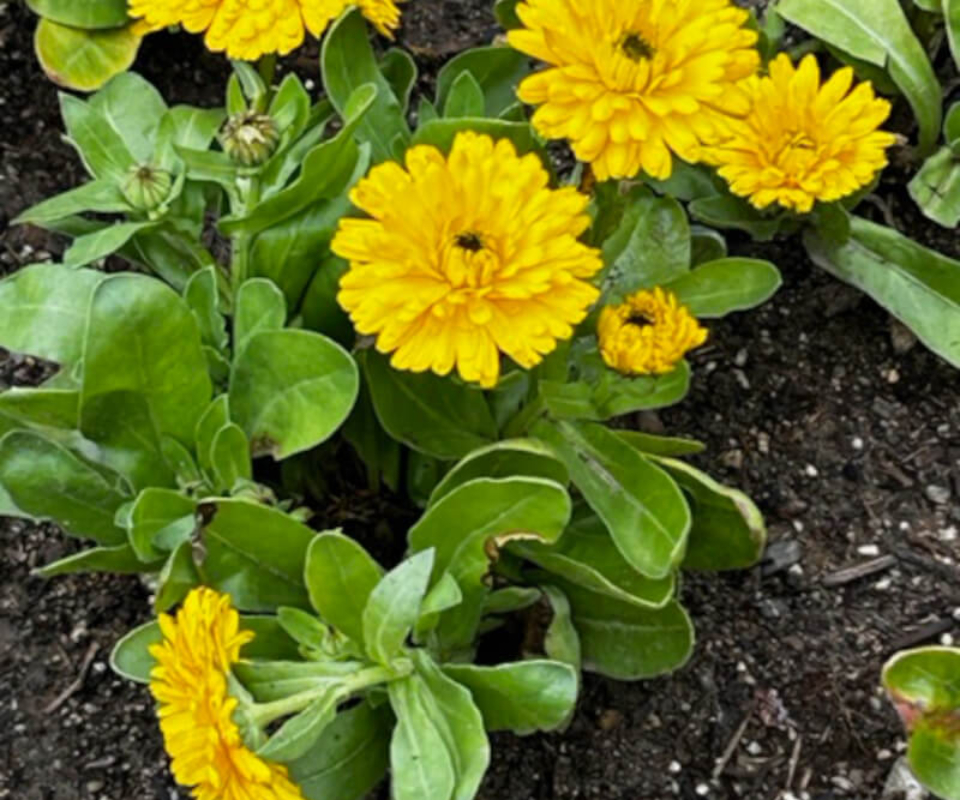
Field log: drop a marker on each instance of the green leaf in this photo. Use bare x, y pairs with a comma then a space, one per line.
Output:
661, 445
134, 109
432, 414
142, 339
100, 244
400, 70
340, 576
628, 643
441, 132
507, 459
649, 248
231, 457
349, 759
154, 512
511, 599
99, 144
118, 560
496, 71
506, 13
44, 311
641, 505
214, 417
177, 577
918, 286
202, 297
255, 553
47, 481
300, 733
320, 310
587, 556
728, 531
377, 449
726, 211
260, 306
99, 195
460, 723
394, 607
524, 697
936, 188
923, 685
84, 59
303, 627
95, 14
465, 98
277, 680
707, 245
44, 408
421, 764
877, 31
444, 595
185, 126
561, 641
721, 287
347, 63
469, 525
291, 390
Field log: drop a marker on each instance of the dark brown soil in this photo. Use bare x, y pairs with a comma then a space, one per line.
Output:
850, 447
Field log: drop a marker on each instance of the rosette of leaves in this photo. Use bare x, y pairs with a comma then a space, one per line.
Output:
82, 45
924, 685
154, 413
351, 680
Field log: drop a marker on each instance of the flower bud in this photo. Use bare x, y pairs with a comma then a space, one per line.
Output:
250, 138
146, 187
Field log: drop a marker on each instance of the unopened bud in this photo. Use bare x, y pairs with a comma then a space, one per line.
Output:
146, 187
250, 138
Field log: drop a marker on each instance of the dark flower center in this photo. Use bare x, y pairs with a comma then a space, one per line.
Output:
470, 240
639, 320
636, 48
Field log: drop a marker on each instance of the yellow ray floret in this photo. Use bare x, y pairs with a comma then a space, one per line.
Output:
189, 683
802, 142
648, 334
631, 83
248, 29
466, 257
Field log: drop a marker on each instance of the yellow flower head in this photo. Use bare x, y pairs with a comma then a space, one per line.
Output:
248, 29
648, 334
632, 81
466, 257
196, 710
803, 142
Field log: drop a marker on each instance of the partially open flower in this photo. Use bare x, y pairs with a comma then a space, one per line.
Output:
466, 256
146, 186
803, 142
629, 83
248, 29
648, 334
250, 138
196, 710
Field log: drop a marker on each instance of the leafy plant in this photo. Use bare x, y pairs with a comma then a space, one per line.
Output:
923, 685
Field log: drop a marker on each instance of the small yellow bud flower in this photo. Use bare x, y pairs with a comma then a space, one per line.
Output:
648, 334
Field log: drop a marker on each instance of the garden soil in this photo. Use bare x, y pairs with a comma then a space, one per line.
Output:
845, 432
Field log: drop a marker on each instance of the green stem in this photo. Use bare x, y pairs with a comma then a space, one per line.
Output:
262, 714
522, 422
249, 188
267, 67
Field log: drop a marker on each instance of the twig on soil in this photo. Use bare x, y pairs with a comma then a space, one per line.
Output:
733, 743
922, 634
854, 573
77, 684
945, 571
794, 761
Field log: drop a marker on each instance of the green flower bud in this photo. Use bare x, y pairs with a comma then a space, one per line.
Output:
146, 187
250, 138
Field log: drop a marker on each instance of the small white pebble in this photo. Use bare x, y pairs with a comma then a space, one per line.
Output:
884, 755
754, 748
946, 640
857, 443
868, 550
702, 789
883, 585
675, 767
811, 471
956, 614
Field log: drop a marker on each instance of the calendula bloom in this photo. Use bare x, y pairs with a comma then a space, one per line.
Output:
648, 334
466, 257
632, 81
248, 29
196, 710
803, 142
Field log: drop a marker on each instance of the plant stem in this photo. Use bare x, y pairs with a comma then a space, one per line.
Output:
249, 189
267, 67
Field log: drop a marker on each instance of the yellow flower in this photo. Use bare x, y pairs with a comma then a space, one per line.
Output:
632, 81
648, 334
803, 142
248, 29
466, 256
196, 710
